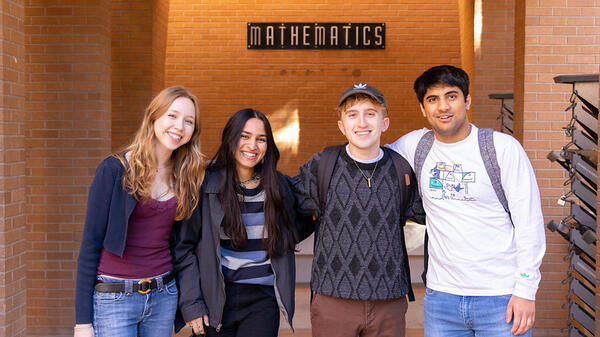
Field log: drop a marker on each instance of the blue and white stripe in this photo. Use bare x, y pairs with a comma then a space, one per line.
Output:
250, 264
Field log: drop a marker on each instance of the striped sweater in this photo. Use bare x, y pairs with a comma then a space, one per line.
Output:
250, 264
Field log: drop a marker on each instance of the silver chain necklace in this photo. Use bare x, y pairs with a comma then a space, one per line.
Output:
254, 178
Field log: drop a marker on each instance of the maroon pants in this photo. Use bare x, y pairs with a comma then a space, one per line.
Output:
338, 317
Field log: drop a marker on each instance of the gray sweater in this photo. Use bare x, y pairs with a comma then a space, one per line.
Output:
360, 251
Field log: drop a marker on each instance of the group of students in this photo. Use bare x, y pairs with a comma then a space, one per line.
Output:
172, 239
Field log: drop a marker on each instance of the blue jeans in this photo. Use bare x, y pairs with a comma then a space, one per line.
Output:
448, 315
134, 314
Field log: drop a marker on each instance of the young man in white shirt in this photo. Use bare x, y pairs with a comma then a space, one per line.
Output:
483, 269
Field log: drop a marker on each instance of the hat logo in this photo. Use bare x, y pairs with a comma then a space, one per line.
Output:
360, 86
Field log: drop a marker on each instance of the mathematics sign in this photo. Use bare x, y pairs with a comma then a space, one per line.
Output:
314, 35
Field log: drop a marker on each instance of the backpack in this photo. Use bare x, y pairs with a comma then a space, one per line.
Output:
487, 151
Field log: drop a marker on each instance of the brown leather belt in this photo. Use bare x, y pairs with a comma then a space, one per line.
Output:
142, 286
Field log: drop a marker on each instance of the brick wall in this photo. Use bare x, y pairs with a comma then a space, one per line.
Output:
494, 62
559, 37
466, 15
206, 51
519, 70
12, 172
139, 38
67, 134
132, 61
160, 18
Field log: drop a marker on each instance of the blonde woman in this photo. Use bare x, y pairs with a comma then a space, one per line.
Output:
125, 283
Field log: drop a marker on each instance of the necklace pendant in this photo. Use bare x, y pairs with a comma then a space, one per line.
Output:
369, 182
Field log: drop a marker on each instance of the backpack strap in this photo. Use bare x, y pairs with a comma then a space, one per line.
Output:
423, 147
325, 167
324, 171
490, 161
398, 161
401, 165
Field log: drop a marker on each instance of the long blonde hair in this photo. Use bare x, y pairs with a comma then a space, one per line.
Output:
188, 161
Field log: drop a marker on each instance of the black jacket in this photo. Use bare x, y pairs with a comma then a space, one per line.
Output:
197, 262
108, 210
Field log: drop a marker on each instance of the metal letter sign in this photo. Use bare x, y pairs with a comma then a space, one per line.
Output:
303, 35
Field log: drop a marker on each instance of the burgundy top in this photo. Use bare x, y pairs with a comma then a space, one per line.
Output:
147, 251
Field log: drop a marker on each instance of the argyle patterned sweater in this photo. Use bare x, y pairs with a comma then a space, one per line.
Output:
360, 251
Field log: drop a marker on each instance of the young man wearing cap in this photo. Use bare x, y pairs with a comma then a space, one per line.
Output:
484, 217
362, 194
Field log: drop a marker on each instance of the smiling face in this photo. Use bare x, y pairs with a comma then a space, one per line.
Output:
176, 126
445, 108
251, 147
363, 123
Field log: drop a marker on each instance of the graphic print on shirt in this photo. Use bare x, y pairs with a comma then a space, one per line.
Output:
450, 182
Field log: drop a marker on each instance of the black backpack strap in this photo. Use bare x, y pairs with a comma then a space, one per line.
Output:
490, 161
325, 167
324, 171
425, 258
398, 160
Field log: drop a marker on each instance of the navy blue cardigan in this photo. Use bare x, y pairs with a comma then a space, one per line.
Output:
108, 210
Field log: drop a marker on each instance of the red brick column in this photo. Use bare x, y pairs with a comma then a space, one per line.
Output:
67, 92
557, 37
160, 19
466, 14
131, 63
12, 172
494, 61
139, 39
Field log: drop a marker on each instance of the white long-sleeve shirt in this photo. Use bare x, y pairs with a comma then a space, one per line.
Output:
474, 250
